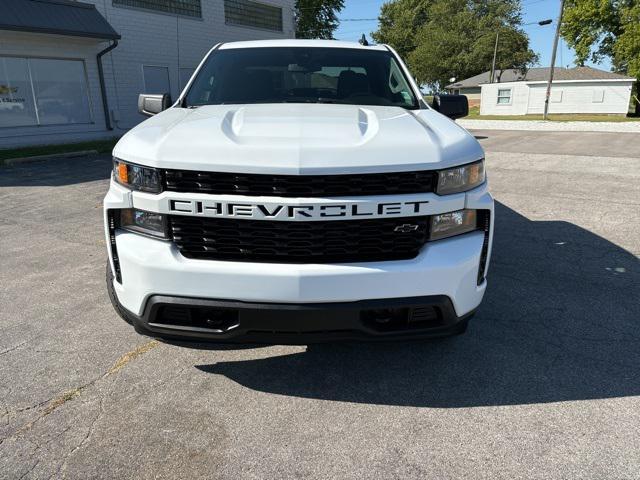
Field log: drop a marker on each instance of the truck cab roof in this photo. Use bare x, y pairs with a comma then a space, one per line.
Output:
299, 43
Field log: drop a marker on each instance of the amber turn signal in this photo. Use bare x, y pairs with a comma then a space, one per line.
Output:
123, 176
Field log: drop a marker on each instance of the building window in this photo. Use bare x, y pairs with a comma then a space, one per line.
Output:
41, 91
504, 96
253, 14
598, 95
190, 8
556, 96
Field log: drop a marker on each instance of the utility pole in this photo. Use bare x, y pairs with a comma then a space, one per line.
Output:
495, 53
553, 61
495, 48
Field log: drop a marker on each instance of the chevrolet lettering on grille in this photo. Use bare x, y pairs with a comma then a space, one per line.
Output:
301, 212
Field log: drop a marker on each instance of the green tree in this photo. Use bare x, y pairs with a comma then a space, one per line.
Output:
399, 21
441, 39
317, 18
598, 29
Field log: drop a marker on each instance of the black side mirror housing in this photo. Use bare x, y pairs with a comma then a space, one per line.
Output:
452, 106
150, 104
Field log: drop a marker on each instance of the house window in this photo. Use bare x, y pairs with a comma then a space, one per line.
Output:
598, 95
253, 14
42, 91
504, 96
556, 96
190, 8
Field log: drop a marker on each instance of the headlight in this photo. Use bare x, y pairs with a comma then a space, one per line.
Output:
137, 177
453, 223
147, 223
460, 179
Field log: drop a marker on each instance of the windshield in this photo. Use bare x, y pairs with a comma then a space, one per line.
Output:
301, 75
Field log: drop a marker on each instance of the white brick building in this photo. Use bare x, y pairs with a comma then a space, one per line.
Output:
50, 90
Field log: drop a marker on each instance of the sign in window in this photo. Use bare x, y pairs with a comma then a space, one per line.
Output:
17, 108
41, 91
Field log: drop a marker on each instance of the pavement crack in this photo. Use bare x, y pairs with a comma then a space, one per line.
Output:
53, 405
58, 401
15, 347
129, 356
85, 439
29, 470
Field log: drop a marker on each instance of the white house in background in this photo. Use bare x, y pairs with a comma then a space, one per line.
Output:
574, 90
55, 86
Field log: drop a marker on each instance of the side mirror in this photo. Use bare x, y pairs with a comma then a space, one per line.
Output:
149, 104
452, 106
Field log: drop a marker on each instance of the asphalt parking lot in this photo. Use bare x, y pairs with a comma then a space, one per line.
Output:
545, 384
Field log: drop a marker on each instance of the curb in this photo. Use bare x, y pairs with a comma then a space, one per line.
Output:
39, 158
550, 126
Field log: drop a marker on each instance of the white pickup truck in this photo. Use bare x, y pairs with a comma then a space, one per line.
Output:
298, 191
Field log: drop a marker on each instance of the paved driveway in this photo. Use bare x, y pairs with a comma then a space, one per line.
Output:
545, 384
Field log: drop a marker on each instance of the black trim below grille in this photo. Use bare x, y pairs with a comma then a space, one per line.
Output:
112, 223
484, 224
298, 242
392, 183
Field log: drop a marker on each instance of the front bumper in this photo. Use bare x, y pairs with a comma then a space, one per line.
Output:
189, 319
306, 297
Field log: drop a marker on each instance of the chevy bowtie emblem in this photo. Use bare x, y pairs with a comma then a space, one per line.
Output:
406, 228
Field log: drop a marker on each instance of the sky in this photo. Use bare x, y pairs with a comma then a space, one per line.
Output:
541, 37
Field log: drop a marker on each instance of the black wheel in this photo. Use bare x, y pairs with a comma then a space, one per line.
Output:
114, 300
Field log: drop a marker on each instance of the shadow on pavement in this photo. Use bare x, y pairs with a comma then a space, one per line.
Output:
56, 172
560, 321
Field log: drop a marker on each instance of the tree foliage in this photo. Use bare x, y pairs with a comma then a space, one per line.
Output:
441, 39
317, 18
399, 21
597, 29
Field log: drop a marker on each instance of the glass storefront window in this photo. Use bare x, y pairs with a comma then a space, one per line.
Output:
40, 91
61, 91
16, 96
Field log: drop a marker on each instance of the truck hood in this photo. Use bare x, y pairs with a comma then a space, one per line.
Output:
299, 139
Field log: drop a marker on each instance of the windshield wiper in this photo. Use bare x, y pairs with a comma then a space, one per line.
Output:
310, 100
327, 100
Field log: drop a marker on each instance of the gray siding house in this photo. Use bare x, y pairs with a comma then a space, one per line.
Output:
72, 71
